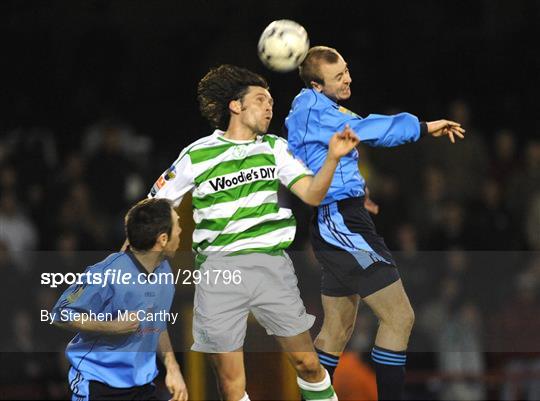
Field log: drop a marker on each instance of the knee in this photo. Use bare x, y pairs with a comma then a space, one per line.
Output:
307, 366
402, 319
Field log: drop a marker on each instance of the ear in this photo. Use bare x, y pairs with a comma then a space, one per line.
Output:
162, 240
235, 106
317, 86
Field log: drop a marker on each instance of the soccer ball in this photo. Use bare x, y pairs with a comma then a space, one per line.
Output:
283, 45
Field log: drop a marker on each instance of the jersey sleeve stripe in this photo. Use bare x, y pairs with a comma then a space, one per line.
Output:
295, 180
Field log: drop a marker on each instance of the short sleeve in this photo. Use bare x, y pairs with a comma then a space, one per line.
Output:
289, 168
176, 181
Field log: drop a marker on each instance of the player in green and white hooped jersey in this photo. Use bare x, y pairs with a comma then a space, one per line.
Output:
234, 175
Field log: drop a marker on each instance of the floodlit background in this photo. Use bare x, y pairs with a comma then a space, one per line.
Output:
97, 98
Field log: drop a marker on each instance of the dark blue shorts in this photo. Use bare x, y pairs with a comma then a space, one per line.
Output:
354, 258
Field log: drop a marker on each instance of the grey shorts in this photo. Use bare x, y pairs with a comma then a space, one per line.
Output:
267, 288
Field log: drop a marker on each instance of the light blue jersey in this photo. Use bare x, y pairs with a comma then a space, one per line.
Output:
119, 361
314, 118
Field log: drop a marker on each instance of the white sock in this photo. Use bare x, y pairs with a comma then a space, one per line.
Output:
314, 391
245, 397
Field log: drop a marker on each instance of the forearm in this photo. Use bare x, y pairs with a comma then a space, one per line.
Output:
87, 325
388, 131
165, 351
318, 187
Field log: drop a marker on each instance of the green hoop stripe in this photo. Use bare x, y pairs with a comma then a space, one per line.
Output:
274, 250
255, 231
318, 395
241, 213
201, 155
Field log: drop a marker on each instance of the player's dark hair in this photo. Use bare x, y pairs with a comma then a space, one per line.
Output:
219, 87
147, 220
309, 69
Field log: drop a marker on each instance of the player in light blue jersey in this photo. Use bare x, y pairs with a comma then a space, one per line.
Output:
355, 260
121, 318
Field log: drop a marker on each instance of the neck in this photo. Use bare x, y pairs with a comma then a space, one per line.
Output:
149, 259
239, 132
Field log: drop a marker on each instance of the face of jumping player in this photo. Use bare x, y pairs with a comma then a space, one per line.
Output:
256, 109
174, 240
337, 80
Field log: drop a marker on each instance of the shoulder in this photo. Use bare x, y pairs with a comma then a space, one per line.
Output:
202, 148
113, 261
165, 266
310, 99
272, 139
202, 143
275, 142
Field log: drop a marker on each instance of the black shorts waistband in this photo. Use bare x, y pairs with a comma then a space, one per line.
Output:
348, 202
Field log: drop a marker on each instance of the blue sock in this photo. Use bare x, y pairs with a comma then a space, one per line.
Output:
390, 372
329, 362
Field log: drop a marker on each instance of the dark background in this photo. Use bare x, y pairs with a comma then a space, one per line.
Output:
97, 98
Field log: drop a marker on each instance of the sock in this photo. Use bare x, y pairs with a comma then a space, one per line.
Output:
245, 397
329, 362
321, 391
390, 372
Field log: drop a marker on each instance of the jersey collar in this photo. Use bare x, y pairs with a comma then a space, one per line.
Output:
219, 135
136, 262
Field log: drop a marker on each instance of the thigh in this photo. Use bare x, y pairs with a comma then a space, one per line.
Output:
220, 313
276, 303
389, 303
340, 312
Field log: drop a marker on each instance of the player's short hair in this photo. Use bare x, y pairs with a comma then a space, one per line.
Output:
219, 87
147, 220
310, 68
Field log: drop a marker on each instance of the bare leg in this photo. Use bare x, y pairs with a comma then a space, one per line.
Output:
338, 324
230, 373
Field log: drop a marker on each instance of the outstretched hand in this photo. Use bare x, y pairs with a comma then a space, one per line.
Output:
445, 128
342, 143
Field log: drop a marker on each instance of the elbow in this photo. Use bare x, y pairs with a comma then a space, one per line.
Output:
312, 201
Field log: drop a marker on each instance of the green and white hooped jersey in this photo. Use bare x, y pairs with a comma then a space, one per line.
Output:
234, 186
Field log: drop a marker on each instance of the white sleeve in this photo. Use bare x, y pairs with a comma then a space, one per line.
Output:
289, 168
175, 181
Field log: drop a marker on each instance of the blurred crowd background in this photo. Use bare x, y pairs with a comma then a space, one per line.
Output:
99, 97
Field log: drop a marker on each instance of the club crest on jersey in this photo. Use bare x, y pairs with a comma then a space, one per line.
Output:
243, 177
76, 294
170, 173
347, 111
239, 152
